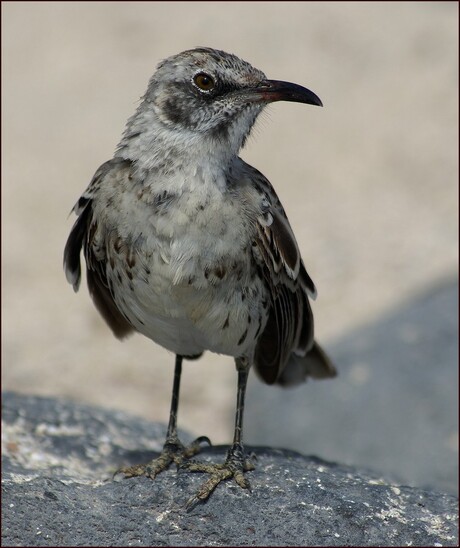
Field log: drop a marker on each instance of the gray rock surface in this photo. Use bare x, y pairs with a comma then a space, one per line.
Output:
58, 458
392, 408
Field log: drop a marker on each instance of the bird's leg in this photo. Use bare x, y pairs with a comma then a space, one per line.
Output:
236, 463
173, 449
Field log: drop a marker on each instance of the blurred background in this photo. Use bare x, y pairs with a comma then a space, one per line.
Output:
369, 182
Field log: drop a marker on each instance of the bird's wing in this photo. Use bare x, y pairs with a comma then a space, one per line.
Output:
289, 333
82, 236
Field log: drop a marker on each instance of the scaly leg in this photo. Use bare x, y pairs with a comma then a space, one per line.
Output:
173, 449
236, 463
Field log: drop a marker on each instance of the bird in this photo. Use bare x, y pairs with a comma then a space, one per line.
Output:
188, 245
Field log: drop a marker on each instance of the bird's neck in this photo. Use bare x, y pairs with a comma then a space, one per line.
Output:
154, 146
157, 146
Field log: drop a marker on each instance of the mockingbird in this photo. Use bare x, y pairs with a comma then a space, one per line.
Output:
187, 244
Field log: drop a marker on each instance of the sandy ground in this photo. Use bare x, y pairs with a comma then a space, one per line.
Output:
370, 182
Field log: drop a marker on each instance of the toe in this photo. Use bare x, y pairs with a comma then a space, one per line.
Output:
195, 446
241, 480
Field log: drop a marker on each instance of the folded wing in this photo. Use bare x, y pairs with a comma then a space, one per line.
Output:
286, 352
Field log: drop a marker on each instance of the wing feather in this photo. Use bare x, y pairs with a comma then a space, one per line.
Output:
286, 351
82, 236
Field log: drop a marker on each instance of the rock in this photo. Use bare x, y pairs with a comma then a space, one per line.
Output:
58, 460
394, 404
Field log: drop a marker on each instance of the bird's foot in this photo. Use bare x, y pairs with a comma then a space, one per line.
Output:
173, 451
235, 465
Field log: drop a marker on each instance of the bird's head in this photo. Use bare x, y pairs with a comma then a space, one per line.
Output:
209, 94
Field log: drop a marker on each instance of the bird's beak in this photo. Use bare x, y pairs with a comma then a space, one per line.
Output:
269, 91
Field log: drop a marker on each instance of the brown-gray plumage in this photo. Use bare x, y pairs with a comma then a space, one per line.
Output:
189, 245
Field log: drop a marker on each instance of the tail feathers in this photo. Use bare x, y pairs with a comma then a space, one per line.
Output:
315, 364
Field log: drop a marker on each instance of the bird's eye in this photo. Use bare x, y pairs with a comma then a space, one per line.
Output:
203, 81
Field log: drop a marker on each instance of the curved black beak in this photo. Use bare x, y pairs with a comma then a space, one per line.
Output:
276, 90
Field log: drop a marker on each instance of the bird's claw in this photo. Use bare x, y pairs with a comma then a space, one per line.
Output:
234, 467
173, 451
